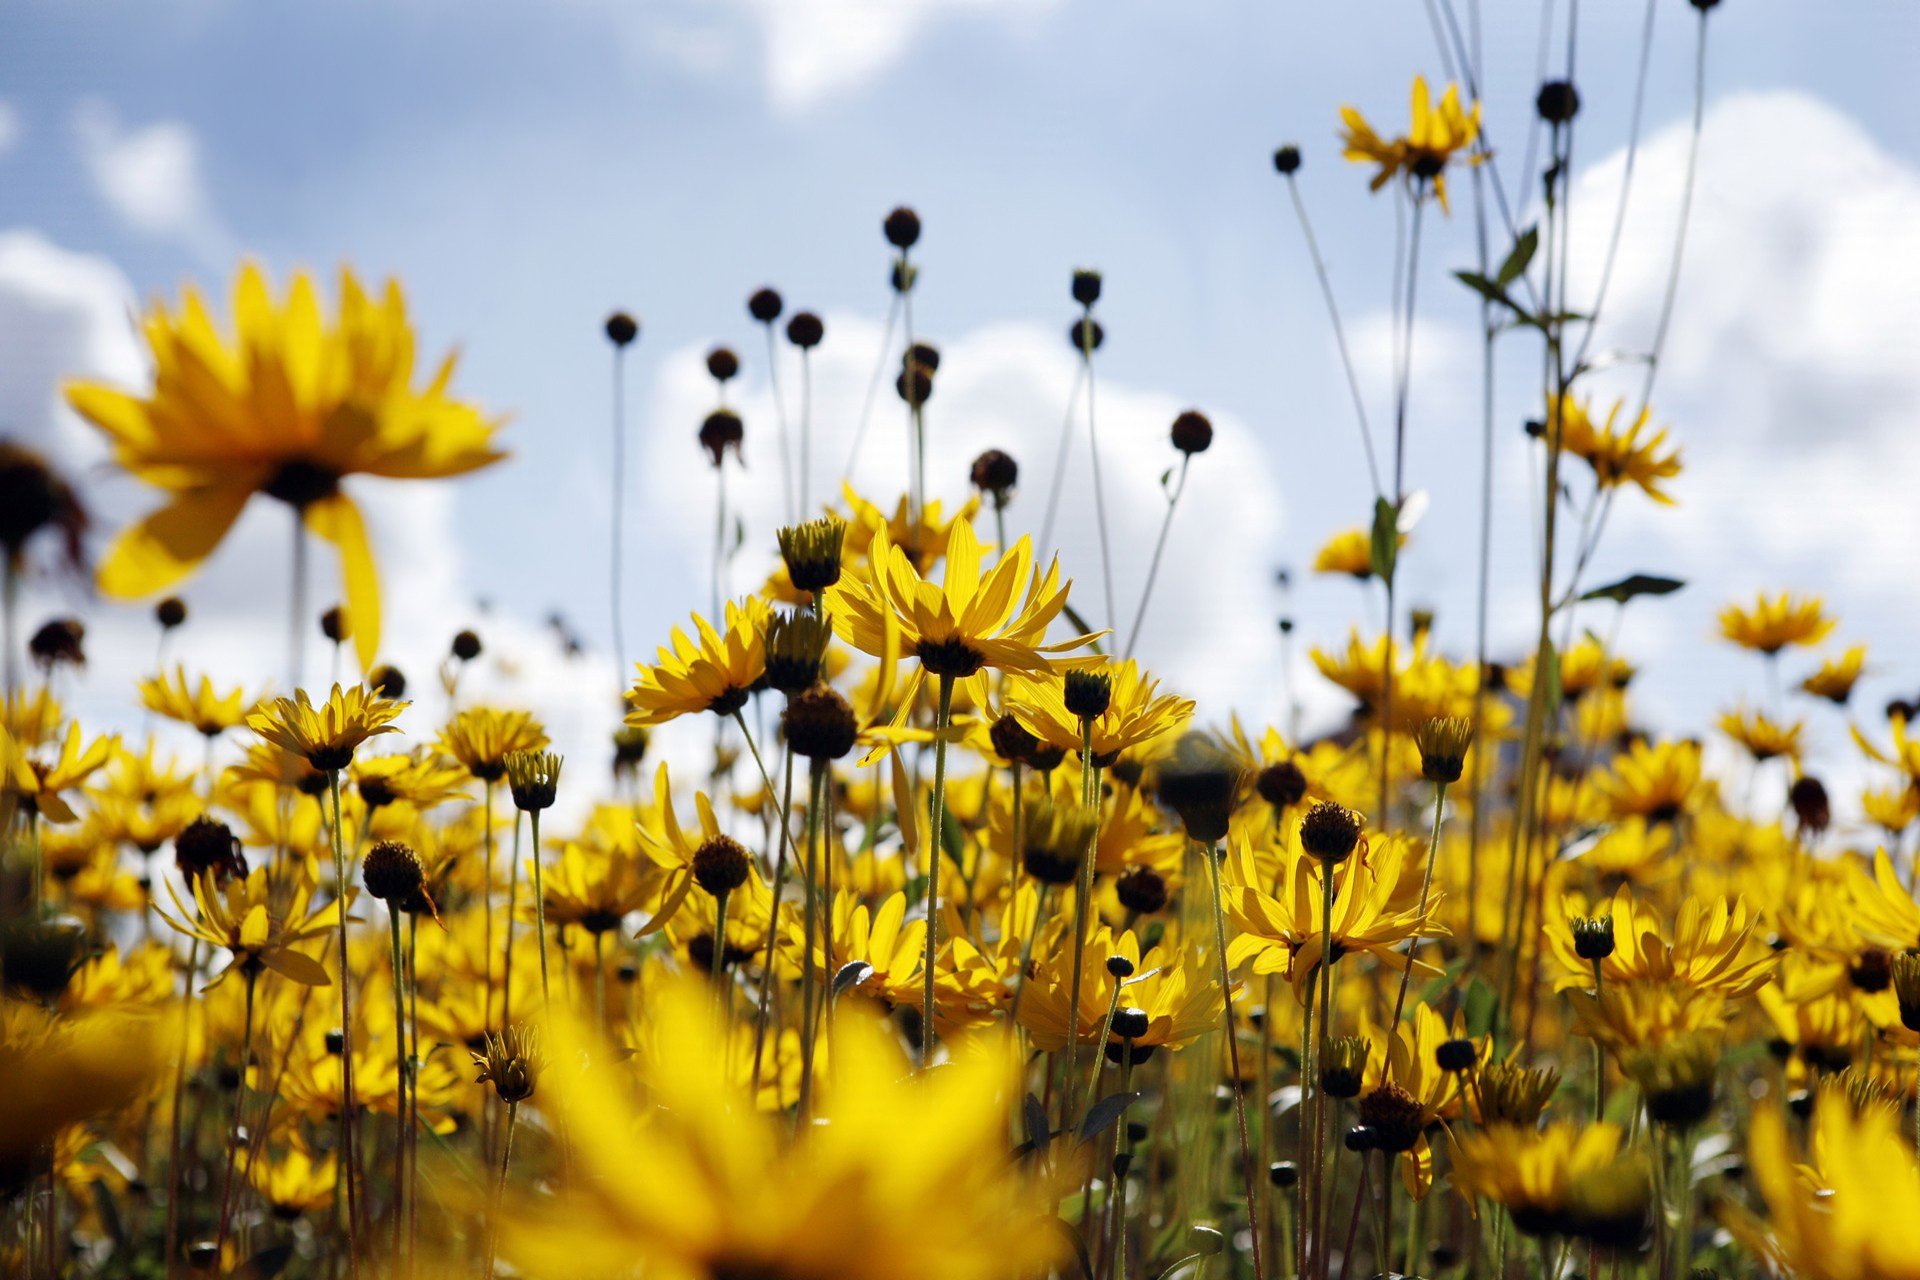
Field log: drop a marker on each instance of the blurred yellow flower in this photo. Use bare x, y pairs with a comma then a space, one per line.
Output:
287, 405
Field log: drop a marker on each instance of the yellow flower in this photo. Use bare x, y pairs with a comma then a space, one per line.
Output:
287, 406
31, 719
201, 706
1136, 713
1424, 152
481, 738
1548, 1179
713, 675
1763, 737
1348, 552
36, 785
959, 626
1655, 781
883, 938
1712, 949
1405, 1090
417, 779
1834, 1219
296, 1183
596, 890
326, 736
1836, 677
1775, 622
1281, 932
921, 534
1180, 1008
905, 1174
673, 849
1618, 455
1904, 755
261, 919
62, 1070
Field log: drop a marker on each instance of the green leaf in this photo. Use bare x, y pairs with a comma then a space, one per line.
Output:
1518, 257
1103, 1113
1385, 548
1637, 584
1491, 291
1034, 1117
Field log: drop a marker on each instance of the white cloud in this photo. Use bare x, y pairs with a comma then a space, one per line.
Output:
1006, 386
151, 177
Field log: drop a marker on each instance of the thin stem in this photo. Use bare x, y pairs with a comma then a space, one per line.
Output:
1060, 456
763, 1009
1026, 956
780, 421
806, 425
297, 603
1082, 904
1159, 548
401, 1072
1093, 449
720, 951
816, 785
1212, 854
239, 1113
1426, 888
618, 481
943, 716
349, 1163
1323, 1102
500, 1184
540, 912
1686, 212
174, 1149
873, 386
1339, 333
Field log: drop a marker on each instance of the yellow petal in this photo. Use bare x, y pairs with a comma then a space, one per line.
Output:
337, 520
167, 545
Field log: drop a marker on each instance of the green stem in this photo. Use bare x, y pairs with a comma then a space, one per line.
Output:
401, 1073
1426, 888
540, 912
943, 716
500, 1184
1212, 854
349, 1161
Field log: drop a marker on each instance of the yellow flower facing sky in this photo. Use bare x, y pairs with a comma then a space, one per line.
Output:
1435, 135
287, 403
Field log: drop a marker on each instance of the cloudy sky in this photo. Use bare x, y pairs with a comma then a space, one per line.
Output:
525, 169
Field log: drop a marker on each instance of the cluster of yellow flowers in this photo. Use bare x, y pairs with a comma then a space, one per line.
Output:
971, 953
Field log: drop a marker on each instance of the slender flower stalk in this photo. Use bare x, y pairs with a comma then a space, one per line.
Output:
349, 1161
1249, 1182
942, 721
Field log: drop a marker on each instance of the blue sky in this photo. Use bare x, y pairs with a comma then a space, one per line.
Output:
525, 168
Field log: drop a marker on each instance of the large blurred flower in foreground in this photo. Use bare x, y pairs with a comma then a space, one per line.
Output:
287, 406
897, 1174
